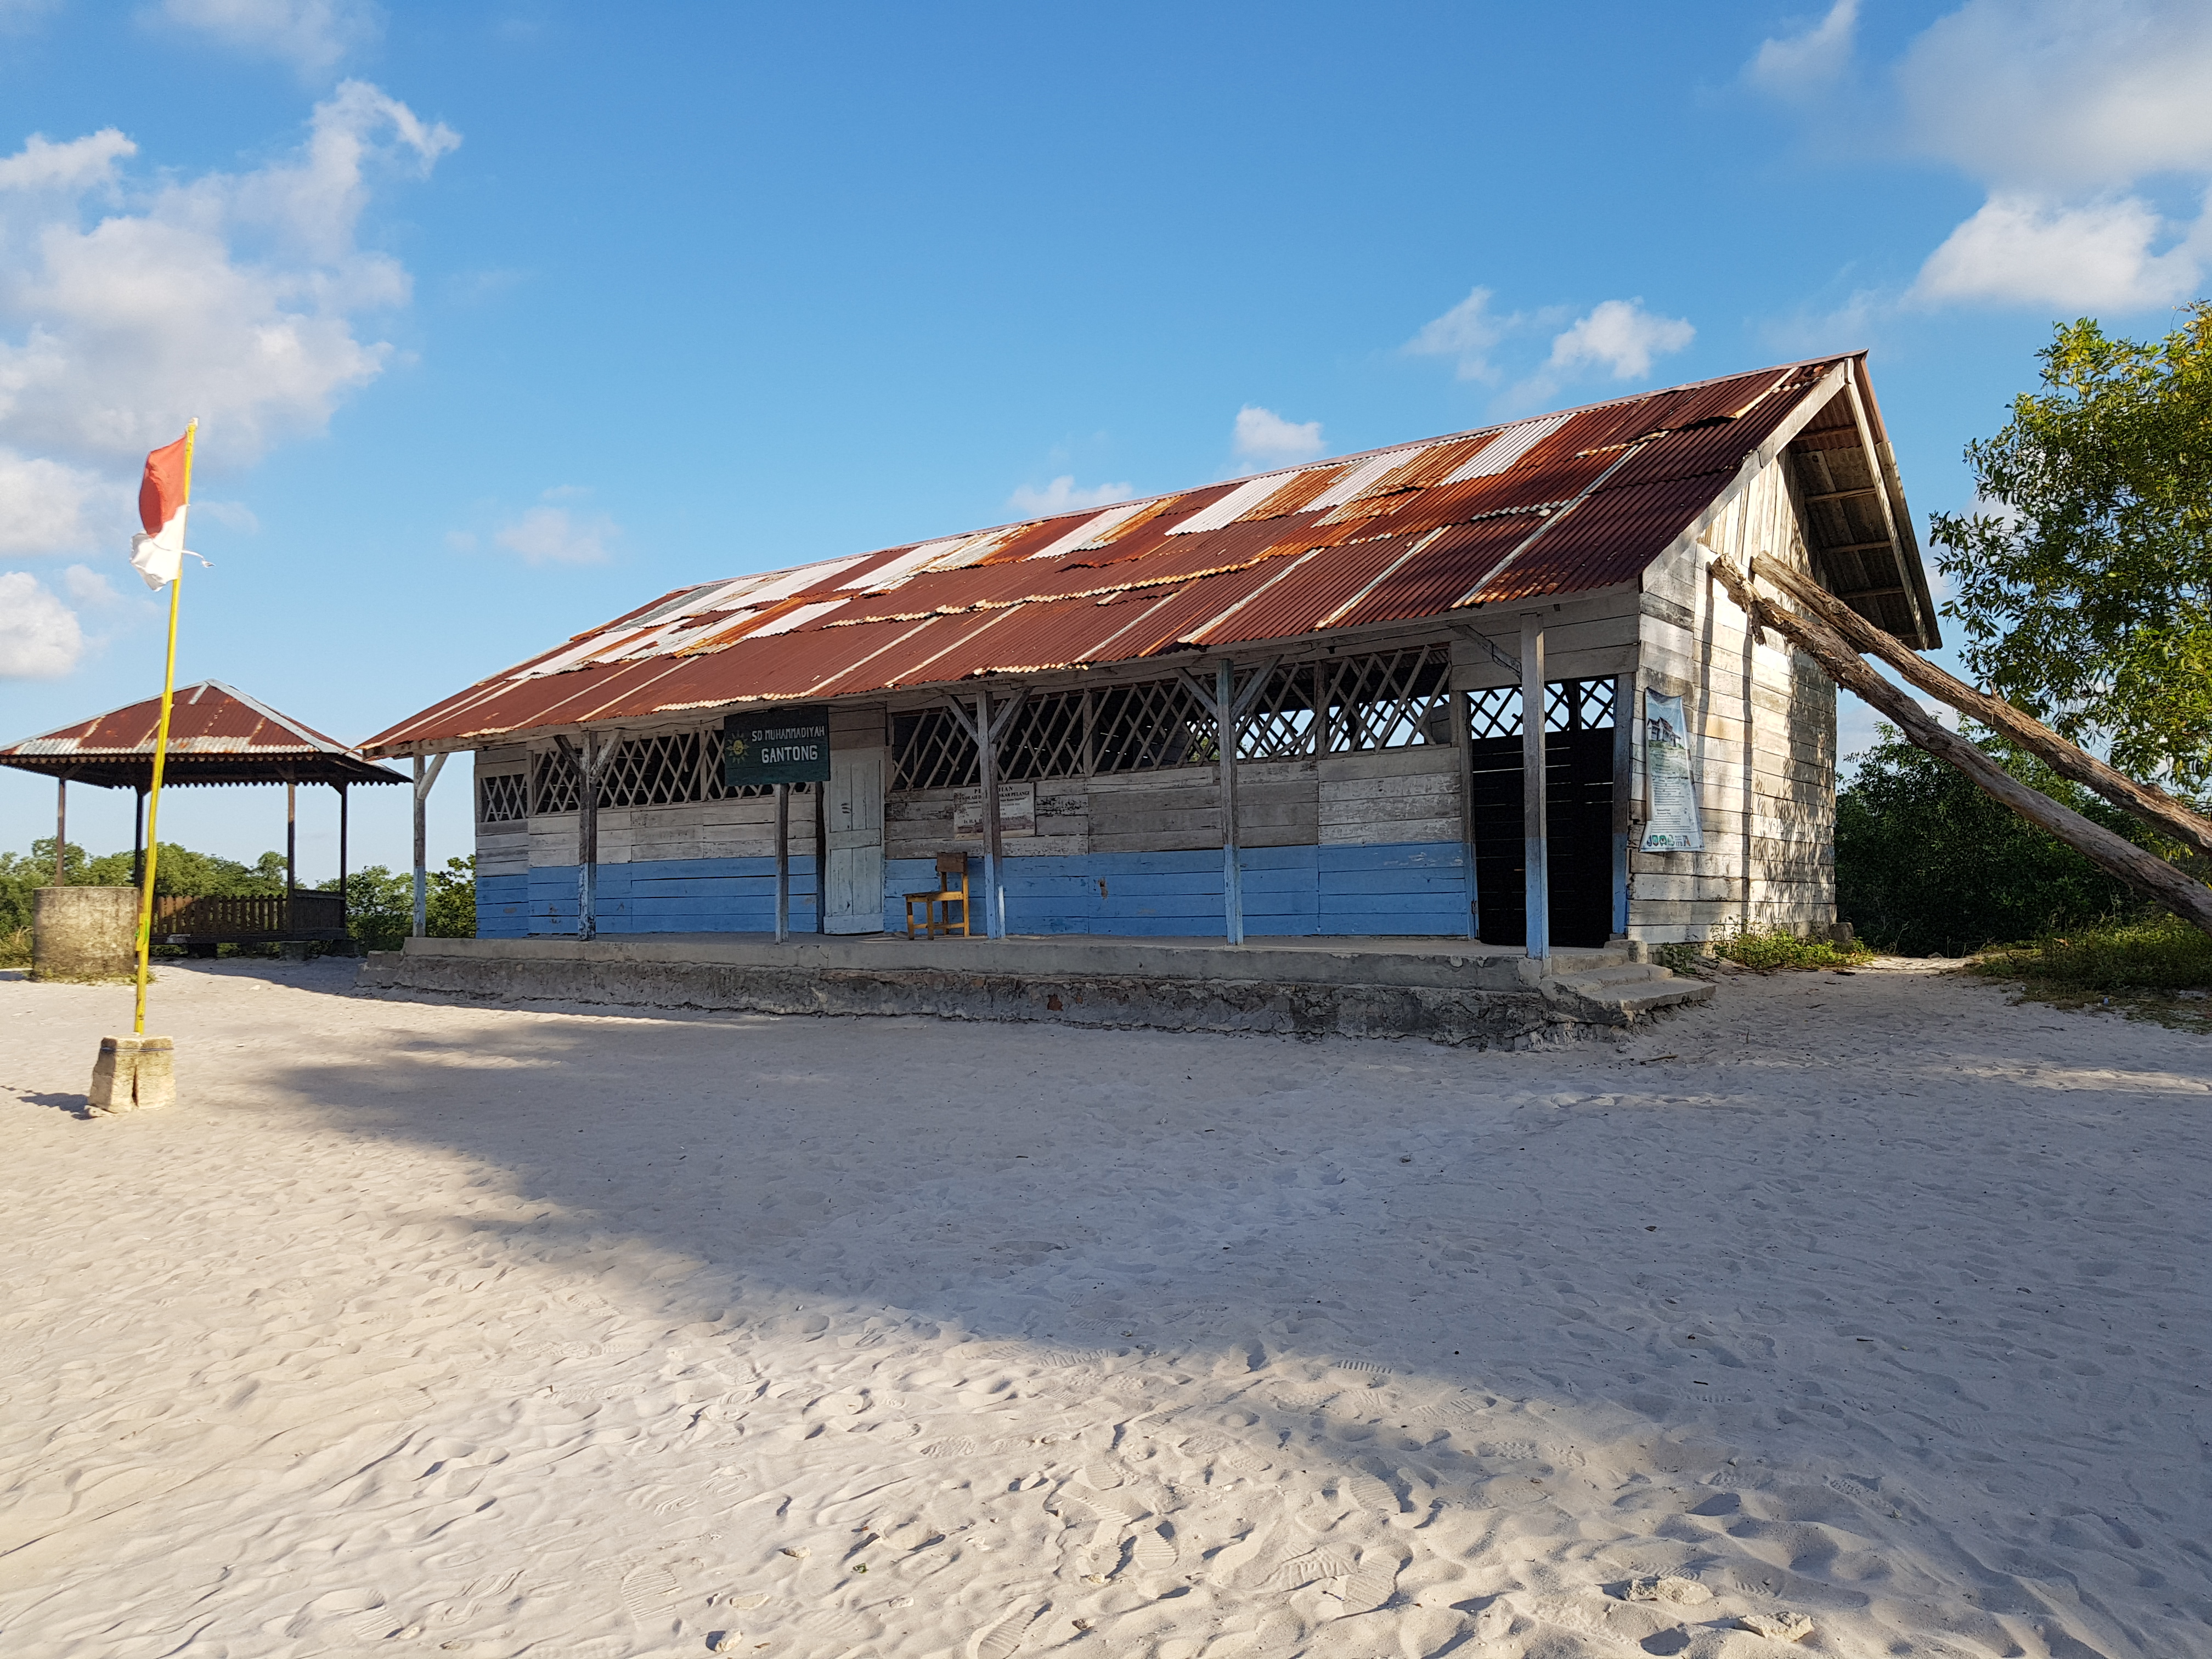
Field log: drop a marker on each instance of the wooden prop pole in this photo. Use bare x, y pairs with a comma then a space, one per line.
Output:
2153, 806
2146, 873
61, 830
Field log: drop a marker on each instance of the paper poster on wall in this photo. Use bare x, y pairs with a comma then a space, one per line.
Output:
1017, 812
1670, 813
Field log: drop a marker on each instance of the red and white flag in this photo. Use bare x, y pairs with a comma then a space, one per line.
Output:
158, 554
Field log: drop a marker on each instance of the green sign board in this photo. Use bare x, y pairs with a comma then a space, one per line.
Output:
789, 744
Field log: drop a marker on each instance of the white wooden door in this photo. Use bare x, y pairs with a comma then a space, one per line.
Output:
853, 810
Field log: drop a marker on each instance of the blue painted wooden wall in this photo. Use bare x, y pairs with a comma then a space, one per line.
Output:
1404, 888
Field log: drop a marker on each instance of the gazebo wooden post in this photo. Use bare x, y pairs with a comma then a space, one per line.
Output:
138, 838
344, 925
61, 829
291, 846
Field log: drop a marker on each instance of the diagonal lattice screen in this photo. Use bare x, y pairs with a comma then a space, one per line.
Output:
1392, 700
930, 749
1141, 728
503, 798
1281, 724
1047, 740
553, 782
1569, 706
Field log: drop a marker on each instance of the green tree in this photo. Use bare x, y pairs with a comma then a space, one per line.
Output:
452, 908
2085, 584
1927, 864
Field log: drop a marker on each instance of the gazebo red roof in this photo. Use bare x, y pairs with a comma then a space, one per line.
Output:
217, 734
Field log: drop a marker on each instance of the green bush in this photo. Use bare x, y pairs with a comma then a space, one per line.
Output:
1927, 864
2161, 953
1771, 949
381, 904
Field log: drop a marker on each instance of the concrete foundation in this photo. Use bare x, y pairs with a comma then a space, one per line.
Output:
132, 1074
1451, 993
84, 933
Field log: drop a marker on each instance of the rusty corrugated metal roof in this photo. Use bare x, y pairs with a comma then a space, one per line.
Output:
1555, 504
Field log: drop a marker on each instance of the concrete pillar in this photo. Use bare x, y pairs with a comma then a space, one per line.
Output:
132, 1074
84, 933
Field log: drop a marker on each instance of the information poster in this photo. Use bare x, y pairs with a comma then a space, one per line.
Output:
790, 744
1017, 812
1670, 783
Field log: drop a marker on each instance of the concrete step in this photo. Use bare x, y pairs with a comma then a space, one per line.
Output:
1633, 988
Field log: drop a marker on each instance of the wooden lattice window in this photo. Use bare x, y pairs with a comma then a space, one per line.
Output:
1392, 700
502, 797
554, 782
663, 770
1144, 728
1569, 706
1047, 740
1281, 724
931, 749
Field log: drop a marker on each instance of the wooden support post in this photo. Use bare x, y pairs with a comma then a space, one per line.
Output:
994, 887
344, 922
985, 726
1227, 729
138, 838
61, 830
1229, 701
1535, 824
587, 836
1624, 800
1463, 740
291, 846
783, 864
424, 781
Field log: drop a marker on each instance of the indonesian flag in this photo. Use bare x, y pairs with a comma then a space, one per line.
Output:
158, 554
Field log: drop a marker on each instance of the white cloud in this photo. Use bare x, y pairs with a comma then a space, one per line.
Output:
46, 507
235, 297
88, 586
2076, 119
40, 639
551, 535
2027, 250
1262, 435
81, 164
1466, 334
1800, 62
1062, 495
311, 35
231, 515
1619, 336
2056, 96
461, 541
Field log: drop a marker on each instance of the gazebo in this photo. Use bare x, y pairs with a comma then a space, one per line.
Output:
217, 735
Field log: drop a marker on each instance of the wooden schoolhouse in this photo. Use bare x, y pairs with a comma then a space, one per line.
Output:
1479, 686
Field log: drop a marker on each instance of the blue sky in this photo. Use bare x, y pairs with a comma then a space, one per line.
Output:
501, 319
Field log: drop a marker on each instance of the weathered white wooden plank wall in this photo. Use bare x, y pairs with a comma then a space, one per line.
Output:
1763, 740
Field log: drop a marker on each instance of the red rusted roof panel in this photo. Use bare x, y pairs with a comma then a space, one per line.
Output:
1609, 487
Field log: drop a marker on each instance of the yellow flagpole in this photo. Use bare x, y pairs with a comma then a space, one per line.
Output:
162, 750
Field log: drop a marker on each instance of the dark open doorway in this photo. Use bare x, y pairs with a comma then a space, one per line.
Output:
1578, 733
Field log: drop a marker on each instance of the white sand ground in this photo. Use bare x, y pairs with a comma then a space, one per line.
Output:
432, 1329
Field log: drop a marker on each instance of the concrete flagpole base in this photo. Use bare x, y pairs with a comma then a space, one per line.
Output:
133, 1074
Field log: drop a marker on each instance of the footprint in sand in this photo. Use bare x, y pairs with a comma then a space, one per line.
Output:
999, 1639
647, 1589
1314, 1567
1366, 1367
1373, 1583
1154, 1551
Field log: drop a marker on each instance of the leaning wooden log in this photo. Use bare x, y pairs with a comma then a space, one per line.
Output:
2153, 807
2146, 873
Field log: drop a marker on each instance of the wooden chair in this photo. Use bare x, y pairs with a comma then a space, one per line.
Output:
937, 906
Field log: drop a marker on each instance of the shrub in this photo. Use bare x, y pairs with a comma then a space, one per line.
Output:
1768, 949
2163, 953
1927, 864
